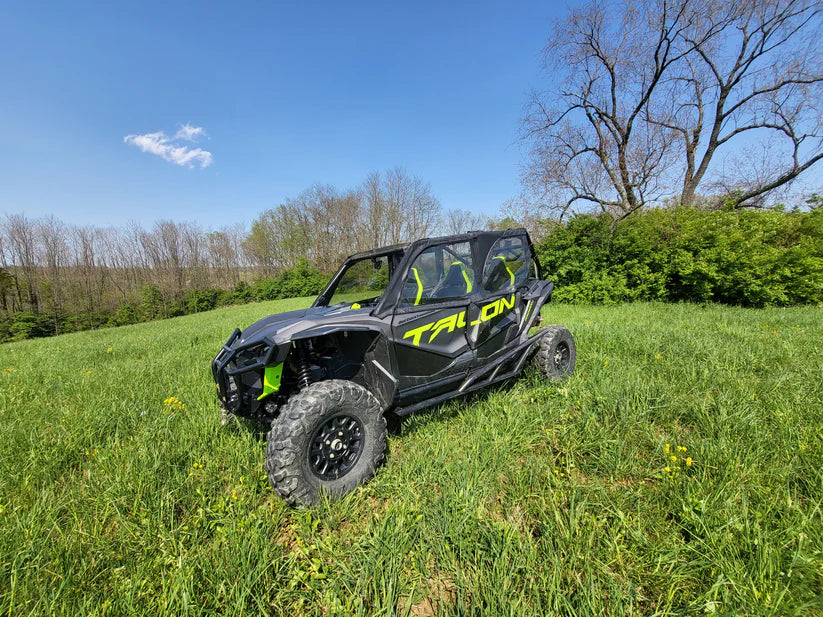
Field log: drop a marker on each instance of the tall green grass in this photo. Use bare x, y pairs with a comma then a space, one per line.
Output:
530, 499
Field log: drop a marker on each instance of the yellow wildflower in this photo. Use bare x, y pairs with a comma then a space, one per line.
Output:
606, 363
667, 469
689, 461
10, 369
658, 356
682, 449
666, 448
174, 404
109, 350
674, 458
87, 373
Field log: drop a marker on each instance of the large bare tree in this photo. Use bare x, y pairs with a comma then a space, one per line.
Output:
459, 221
654, 95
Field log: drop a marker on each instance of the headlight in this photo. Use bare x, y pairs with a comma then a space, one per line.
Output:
247, 357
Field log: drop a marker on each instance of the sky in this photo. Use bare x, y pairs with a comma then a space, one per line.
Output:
213, 112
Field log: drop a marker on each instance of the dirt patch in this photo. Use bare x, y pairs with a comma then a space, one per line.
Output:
438, 595
287, 538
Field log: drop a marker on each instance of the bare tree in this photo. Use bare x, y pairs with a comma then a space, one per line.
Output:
399, 207
653, 90
375, 209
22, 245
54, 257
260, 247
91, 277
590, 142
224, 252
761, 81
323, 225
459, 221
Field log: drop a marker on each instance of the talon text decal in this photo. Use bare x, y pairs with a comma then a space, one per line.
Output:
458, 320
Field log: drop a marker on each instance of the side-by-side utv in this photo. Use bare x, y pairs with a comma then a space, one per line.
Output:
397, 329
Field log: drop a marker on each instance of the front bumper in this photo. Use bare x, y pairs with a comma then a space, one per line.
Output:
238, 373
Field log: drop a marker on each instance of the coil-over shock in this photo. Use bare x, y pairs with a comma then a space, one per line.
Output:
303, 366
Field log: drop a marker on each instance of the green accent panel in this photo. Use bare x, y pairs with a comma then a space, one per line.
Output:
271, 380
528, 312
465, 275
511, 274
419, 287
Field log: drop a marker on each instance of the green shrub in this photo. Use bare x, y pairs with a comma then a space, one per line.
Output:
741, 257
88, 320
125, 315
152, 303
295, 283
241, 294
199, 300
30, 325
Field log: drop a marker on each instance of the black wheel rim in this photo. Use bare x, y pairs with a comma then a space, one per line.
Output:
562, 357
335, 447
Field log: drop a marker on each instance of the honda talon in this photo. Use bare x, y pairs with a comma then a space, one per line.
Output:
397, 329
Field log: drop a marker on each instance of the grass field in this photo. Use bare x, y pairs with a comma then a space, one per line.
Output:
532, 499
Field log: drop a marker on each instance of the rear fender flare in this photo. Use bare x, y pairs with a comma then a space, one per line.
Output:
537, 295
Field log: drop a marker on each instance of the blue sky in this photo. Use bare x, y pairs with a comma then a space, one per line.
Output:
287, 94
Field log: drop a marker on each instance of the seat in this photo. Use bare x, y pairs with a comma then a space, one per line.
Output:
413, 287
457, 282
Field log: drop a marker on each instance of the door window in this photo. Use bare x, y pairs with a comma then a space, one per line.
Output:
439, 273
507, 265
363, 281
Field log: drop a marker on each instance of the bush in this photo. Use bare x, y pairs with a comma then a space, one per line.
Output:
89, 320
30, 325
152, 303
241, 294
741, 257
199, 300
125, 315
298, 282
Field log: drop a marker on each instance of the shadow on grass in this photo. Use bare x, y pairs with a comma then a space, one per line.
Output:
398, 426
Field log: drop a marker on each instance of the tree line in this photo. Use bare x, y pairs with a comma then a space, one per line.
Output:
57, 277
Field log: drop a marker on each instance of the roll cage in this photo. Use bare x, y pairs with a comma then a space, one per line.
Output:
481, 242
402, 256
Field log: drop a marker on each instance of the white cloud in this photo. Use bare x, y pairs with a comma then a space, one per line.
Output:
190, 133
160, 144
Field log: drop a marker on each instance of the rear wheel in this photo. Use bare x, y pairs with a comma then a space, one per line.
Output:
328, 438
557, 354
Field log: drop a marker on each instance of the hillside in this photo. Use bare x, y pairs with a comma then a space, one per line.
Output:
531, 499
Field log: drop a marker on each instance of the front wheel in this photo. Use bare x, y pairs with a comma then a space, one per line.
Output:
557, 353
328, 438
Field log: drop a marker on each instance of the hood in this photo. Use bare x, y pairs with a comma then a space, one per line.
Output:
269, 326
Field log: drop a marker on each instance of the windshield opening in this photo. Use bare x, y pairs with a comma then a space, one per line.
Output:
363, 282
